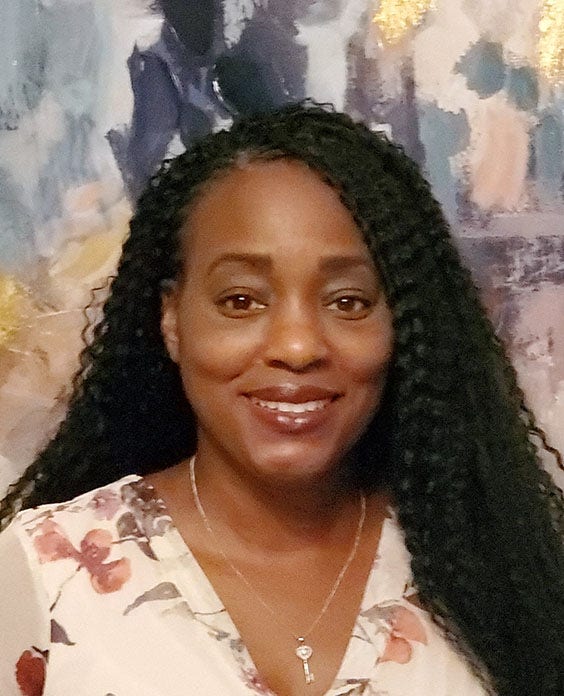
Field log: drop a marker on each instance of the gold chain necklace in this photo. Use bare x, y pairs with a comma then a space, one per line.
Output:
303, 650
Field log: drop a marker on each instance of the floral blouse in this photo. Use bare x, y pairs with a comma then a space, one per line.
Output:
101, 597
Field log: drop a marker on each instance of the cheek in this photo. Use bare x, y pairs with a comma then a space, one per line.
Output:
368, 371
367, 355
209, 352
369, 365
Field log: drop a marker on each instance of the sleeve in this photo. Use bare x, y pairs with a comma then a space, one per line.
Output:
24, 617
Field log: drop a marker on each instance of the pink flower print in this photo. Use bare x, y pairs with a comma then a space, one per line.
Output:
105, 504
105, 577
405, 626
52, 544
30, 672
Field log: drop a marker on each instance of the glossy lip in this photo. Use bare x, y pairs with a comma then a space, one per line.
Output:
289, 422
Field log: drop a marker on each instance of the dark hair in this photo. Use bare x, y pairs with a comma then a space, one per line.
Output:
483, 521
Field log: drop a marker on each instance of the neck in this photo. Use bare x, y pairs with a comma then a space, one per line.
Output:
272, 516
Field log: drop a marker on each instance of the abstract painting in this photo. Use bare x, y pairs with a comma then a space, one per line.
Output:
94, 93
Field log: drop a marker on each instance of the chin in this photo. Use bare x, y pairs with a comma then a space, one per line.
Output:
296, 465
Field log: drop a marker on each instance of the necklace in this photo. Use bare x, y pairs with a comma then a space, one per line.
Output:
303, 650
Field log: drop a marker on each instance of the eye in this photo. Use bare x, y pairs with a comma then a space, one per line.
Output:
239, 304
351, 306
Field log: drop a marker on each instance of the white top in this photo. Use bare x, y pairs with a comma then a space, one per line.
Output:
101, 597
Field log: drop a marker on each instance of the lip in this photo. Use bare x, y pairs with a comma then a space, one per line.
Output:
288, 418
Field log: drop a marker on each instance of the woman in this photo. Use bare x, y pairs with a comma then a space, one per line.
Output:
364, 513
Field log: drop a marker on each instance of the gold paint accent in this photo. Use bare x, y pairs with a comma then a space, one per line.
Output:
396, 17
12, 296
551, 40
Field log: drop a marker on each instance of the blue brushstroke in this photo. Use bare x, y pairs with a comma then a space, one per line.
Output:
487, 73
189, 77
72, 67
54, 52
68, 165
268, 42
366, 101
22, 57
443, 134
17, 241
532, 160
139, 149
549, 148
75, 51
62, 48
523, 88
402, 114
194, 23
172, 90
265, 69
483, 67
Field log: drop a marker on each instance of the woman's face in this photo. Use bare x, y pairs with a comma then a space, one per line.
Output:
279, 323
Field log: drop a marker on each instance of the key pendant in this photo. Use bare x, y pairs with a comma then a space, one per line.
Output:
304, 652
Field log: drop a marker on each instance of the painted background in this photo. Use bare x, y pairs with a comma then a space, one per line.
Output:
94, 93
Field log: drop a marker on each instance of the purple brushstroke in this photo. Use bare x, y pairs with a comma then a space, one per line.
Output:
365, 99
139, 149
195, 23
515, 261
265, 68
189, 77
507, 270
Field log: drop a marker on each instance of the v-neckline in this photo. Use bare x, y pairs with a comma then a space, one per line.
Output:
197, 589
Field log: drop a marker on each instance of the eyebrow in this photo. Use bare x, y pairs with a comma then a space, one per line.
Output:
259, 261
264, 262
343, 263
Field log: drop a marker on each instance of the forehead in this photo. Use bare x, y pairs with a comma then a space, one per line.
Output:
277, 208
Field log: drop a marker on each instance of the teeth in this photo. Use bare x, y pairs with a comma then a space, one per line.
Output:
286, 407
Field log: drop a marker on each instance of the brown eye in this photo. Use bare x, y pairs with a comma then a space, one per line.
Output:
239, 302
351, 306
239, 305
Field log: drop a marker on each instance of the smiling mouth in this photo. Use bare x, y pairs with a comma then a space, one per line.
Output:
288, 407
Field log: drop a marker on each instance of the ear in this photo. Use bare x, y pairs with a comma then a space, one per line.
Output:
169, 322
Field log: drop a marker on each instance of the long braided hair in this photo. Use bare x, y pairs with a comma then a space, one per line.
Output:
453, 440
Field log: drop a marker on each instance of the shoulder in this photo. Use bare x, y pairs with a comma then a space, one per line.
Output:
99, 504
127, 508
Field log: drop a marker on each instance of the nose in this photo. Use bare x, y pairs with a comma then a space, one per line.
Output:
295, 340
